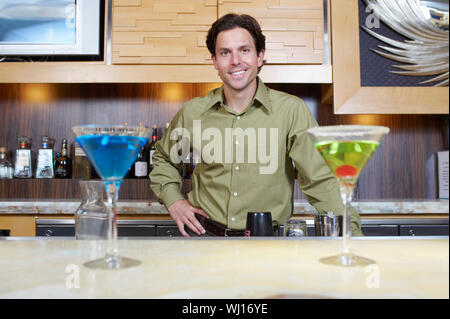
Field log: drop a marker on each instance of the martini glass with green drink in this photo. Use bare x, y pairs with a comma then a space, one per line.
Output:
346, 149
111, 149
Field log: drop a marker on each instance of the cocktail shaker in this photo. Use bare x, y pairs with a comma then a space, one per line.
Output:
328, 225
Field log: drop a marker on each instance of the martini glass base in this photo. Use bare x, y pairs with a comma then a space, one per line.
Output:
347, 260
112, 263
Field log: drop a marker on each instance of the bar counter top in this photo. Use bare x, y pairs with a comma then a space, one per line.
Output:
193, 268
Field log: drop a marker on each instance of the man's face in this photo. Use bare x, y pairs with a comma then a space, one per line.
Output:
236, 59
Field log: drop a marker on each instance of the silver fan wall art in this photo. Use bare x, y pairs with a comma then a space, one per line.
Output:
425, 23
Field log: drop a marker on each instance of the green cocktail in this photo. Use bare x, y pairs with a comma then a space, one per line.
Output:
346, 149
347, 159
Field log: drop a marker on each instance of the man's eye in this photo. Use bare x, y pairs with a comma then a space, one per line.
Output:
225, 53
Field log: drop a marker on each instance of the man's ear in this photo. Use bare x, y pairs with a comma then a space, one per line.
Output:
213, 58
261, 58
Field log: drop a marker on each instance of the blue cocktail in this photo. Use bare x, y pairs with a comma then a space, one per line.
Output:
111, 156
111, 150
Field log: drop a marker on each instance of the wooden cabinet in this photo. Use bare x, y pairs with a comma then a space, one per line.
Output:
161, 31
164, 40
174, 31
18, 225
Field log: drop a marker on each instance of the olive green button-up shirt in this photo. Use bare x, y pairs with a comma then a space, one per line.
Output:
246, 162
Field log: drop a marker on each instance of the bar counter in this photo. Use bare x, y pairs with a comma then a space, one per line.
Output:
412, 267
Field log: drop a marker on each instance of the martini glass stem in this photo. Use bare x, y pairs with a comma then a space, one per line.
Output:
346, 194
112, 253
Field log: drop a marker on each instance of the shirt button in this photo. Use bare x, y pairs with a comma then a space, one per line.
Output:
237, 168
233, 219
238, 117
235, 194
237, 142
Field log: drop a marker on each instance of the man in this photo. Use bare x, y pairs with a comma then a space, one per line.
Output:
248, 138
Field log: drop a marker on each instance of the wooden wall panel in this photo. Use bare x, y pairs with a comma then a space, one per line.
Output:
293, 28
162, 31
403, 167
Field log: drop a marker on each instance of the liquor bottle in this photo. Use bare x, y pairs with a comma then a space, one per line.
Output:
81, 167
63, 167
130, 173
141, 164
44, 167
22, 165
6, 169
152, 147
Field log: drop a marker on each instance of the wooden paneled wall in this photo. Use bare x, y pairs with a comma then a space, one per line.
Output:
174, 31
403, 167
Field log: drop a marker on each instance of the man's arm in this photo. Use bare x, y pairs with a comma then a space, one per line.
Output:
315, 178
166, 182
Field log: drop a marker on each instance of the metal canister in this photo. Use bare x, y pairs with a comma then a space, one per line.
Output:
327, 225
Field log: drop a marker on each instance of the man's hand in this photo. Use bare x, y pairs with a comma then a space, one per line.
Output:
183, 214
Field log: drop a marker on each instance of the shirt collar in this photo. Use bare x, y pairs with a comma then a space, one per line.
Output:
262, 96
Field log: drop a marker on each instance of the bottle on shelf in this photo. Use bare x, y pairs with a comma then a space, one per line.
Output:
22, 165
63, 167
44, 167
141, 164
152, 147
6, 168
130, 173
81, 167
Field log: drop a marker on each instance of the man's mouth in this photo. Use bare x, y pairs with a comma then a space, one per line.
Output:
238, 73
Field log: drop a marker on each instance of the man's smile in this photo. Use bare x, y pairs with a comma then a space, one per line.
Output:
238, 73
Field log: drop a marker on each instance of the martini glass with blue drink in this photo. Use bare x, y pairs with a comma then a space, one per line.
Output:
111, 149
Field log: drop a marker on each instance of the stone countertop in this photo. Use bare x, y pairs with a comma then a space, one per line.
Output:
414, 267
62, 207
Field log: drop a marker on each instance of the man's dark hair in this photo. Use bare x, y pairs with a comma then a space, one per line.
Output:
231, 21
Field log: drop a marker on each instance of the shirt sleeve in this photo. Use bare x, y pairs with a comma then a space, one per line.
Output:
165, 179
315, 178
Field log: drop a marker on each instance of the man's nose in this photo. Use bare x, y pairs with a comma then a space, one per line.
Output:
236, 58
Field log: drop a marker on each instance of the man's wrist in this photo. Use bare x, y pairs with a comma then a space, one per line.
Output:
170, 195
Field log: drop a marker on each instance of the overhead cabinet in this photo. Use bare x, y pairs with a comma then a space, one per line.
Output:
174, 31
162, 31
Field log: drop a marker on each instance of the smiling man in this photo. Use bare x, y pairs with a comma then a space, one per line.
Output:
238, 120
